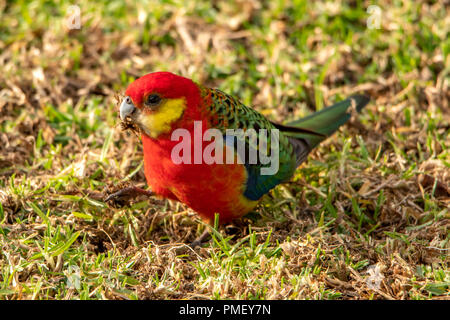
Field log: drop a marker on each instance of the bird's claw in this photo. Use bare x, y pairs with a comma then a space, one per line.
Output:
127, 194
200, 240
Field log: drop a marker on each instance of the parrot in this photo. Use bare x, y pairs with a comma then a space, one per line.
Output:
163, 106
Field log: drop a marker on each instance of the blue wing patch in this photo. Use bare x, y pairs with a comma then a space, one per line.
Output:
259, 184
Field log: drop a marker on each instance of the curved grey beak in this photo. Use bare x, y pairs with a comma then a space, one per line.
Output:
126, 108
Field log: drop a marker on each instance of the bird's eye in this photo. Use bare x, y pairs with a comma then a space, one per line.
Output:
153, 100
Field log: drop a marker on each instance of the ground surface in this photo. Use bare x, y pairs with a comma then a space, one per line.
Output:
366, 217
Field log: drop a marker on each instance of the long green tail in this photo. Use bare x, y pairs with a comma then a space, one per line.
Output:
326, 121
306, 133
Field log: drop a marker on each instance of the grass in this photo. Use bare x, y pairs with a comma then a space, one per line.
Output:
375, 194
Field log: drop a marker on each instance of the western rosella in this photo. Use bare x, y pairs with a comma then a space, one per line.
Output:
162, 103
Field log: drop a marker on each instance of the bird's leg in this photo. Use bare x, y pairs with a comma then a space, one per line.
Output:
199, 240
127, 194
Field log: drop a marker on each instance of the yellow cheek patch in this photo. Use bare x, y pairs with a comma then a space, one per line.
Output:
160, 121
